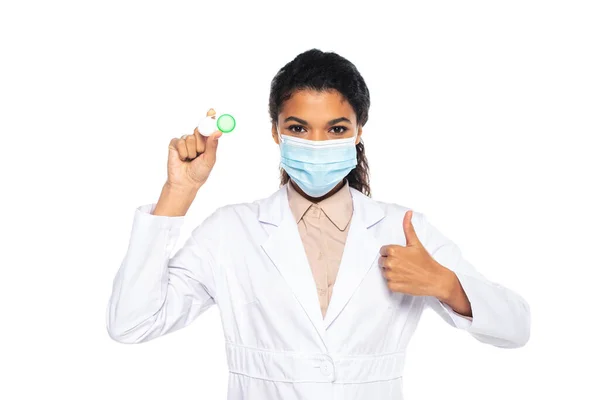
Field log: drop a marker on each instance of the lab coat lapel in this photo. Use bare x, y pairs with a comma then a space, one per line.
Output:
361, 251
285, 249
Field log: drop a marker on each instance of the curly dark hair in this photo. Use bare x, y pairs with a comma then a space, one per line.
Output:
325, 71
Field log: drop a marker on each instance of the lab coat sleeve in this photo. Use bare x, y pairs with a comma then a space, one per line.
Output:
153, 293
501, 317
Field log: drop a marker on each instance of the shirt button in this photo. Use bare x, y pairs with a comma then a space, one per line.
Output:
326, 368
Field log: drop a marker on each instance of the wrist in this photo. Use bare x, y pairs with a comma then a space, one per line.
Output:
175, 201
181, 190
448, 285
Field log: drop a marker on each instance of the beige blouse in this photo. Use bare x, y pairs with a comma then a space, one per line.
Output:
323, 228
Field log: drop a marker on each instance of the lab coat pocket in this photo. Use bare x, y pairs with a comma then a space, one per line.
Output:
241, 286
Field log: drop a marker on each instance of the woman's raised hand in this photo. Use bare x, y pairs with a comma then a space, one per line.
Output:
191, 158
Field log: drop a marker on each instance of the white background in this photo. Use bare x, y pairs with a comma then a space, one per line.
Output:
484, 116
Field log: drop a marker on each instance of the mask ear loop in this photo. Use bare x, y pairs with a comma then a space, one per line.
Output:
279, 135
355, 136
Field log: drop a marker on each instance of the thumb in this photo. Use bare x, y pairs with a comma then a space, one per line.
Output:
409, 230
212, 142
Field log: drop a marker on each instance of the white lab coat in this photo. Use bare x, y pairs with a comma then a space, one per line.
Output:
249, 260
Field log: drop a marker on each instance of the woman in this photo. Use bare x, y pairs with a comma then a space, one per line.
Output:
320, 288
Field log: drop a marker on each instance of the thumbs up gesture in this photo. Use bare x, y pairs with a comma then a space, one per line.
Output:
410, 269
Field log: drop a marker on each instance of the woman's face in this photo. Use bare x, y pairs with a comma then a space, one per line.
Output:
313, 115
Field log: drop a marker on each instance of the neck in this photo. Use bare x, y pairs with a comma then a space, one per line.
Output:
318, 199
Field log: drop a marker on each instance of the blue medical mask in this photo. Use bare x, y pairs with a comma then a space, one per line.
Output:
316, 166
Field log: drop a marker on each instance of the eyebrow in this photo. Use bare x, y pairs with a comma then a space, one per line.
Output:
332, 122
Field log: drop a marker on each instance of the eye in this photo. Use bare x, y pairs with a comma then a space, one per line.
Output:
294, 128
340, 130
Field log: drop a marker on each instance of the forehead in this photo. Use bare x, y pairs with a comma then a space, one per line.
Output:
317, 106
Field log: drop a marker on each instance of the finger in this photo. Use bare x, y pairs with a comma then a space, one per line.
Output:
190, 143
181, 148
388, 274
384, 262
173, 152
211, 112
409, 230
389, 250
200, 141
388, 264
395, 286
383, 251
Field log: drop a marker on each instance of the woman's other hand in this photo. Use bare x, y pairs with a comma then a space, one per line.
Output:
411, 269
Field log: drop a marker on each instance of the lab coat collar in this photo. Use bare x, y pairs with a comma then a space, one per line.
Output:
337, 208
272, 209
285, 249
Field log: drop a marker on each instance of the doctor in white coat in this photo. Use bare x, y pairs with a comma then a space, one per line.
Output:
285, 339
